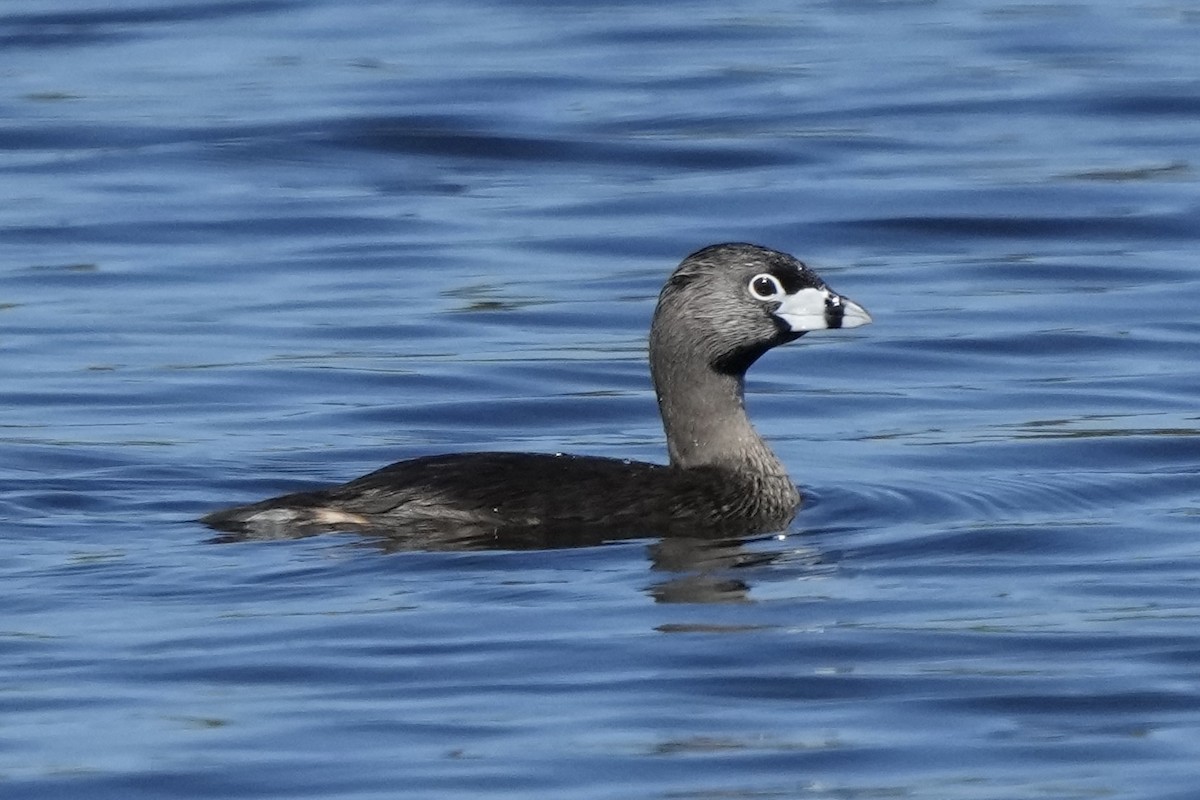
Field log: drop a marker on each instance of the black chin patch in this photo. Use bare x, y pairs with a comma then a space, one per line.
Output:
740, 360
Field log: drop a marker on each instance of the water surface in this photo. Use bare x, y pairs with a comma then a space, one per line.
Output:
254, 246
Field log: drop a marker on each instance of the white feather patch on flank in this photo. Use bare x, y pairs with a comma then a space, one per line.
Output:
333, 516
273, 517
281, 519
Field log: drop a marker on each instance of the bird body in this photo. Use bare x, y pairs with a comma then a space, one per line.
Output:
723, 307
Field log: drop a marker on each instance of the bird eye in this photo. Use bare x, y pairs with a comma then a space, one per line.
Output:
765, 287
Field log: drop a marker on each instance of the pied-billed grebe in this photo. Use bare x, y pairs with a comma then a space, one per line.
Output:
722, 308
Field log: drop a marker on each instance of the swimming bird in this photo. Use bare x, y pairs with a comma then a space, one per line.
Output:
719, 312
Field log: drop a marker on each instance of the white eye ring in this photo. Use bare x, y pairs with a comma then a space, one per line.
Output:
764, 286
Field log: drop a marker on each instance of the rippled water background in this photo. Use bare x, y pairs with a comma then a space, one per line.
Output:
250, 246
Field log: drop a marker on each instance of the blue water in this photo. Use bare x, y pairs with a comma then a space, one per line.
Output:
250, 246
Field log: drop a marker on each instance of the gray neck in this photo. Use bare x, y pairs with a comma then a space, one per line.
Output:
704, 414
